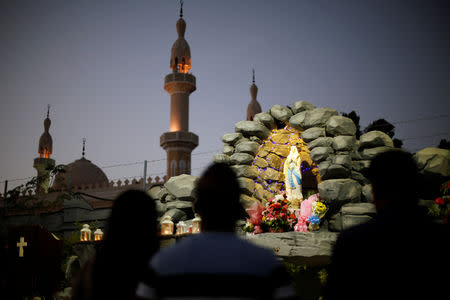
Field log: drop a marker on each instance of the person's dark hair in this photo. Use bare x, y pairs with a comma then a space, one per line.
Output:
395, 178
130, 241
218, 195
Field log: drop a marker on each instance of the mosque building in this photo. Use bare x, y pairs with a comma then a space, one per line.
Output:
95, 192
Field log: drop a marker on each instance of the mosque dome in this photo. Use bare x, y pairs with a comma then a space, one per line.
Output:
180, 58
82, 172
45, 141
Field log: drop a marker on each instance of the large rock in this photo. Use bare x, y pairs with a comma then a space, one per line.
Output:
344, 143
247, 147
176, 215
319, 154
344, 160
327, 170
154, 191
274, 161
359, 177
221, 159
339, 125
352, 214
433, 161
247, 201
317, 117
160, 208
247, 185
227, 149
374, 139
241, 159
361, 166
250, 128
231, 138
300, 106
185, 206
162, 194
297, 121
367, 193
182, 186
245, 171
265, 119
340, 190
272, 175
313, 133
256, 140
300, 248
370, 153
320, 142
280, 113
261, 163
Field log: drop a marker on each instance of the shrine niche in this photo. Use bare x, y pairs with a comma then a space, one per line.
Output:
271, 164
332, 161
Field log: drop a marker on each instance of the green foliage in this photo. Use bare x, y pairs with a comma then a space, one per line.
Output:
397, 143
444, 144
323, 276
24, 197
294, 269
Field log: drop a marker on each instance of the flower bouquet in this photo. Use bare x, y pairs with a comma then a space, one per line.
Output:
441, 208
253, 224
310, 214
277, 216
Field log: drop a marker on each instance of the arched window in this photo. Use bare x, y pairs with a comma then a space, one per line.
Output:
182, 167
173, 168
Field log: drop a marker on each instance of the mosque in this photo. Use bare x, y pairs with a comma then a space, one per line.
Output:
86, 178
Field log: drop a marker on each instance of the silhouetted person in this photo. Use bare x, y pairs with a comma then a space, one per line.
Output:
121, 262
398, 254
216, 263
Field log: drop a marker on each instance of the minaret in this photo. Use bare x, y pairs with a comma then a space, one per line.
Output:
179, 142
44, 162
253, 107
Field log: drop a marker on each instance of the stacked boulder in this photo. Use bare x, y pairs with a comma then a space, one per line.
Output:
434, 167
341, 159
175, 198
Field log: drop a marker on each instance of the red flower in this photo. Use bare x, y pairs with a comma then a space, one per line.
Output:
441, 201
438, 200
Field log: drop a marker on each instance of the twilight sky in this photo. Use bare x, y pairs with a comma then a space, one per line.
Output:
101, 66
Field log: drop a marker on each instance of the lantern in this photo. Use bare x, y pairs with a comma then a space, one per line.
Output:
182, 228
85, 233
196, 224
98, 235
166, 226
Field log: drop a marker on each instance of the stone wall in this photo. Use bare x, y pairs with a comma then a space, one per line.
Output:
325, 140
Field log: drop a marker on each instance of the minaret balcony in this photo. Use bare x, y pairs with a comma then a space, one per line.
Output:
41, 161
179, 137
181, 82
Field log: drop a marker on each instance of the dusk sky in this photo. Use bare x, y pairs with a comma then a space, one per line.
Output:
101, 67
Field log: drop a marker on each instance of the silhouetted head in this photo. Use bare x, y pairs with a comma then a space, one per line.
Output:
395, 179
217, 201
130, 241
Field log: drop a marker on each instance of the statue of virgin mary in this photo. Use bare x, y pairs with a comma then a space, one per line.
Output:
293, 177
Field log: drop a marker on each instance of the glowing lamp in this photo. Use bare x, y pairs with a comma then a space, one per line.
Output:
182, 228
196, 224
85, 235
167, 226
98, 235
